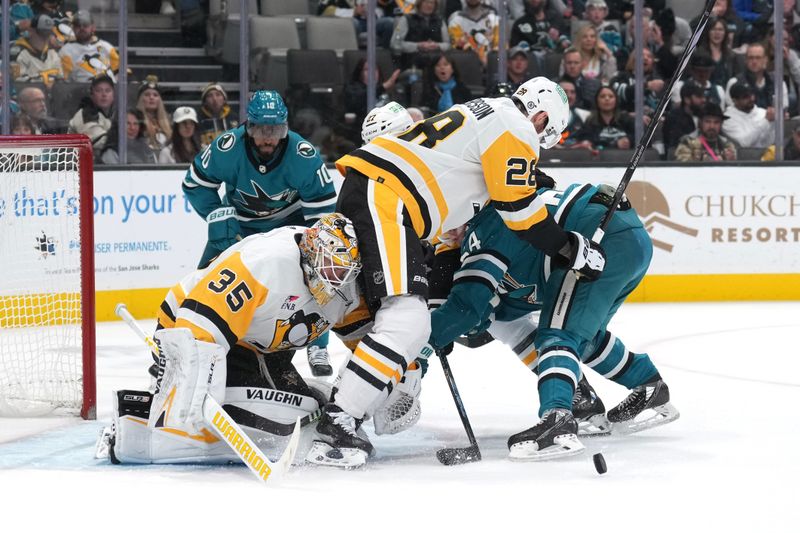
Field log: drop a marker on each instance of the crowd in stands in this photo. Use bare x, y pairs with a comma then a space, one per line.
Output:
444, 52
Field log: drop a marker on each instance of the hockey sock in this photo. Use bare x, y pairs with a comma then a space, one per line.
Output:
615, 362
558, 375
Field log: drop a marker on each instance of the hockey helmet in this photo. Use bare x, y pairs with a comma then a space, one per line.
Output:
390, 118
267, 115
541, 94
330, 257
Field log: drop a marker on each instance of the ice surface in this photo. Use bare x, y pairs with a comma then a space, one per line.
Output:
729, 464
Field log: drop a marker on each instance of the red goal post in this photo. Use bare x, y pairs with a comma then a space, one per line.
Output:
47, 287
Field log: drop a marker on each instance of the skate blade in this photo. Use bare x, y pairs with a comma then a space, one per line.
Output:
321, 371
324, 454
563, 446
648, 419
595, 426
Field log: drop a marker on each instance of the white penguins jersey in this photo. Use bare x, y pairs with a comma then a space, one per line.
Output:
254, 294
447, 167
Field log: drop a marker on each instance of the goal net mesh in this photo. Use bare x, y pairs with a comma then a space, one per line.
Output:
41, 353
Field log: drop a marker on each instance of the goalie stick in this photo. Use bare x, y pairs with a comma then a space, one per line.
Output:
458, 456
647, 136
226, 427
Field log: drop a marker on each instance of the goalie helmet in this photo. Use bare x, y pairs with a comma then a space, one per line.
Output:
541, 94
330, 258
389, 118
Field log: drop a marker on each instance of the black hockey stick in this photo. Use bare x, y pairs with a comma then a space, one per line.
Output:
647, 136
458, 456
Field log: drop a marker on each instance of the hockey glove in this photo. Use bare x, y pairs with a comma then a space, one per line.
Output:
585, 257
223, 228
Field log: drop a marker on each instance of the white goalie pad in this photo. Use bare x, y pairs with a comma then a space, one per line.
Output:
401, 409
188, 370
266, 415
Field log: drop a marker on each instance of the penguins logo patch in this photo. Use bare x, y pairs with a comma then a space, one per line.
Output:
226, 142
305, 149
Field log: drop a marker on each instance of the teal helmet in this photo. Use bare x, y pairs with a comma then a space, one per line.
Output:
267, 115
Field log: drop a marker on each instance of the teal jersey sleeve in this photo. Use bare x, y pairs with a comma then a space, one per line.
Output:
483, 266
310, 178
210, 169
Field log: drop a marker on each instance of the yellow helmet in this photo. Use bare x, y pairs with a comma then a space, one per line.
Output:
330, 257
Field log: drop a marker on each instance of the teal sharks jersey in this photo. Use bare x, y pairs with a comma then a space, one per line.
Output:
293, 188
495, 263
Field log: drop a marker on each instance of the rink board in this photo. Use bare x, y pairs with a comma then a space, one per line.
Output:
719, 233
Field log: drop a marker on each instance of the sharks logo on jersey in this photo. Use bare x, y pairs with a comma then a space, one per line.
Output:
262, 204
305, 149
518, 291
226, 141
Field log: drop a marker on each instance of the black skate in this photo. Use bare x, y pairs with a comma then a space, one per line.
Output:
589, 411
320, 361
555, 436
338, 440
647, 406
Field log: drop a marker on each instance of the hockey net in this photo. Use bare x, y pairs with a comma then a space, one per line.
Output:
47, 323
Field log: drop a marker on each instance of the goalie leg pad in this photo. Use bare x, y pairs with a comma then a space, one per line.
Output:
190, 369
402, 409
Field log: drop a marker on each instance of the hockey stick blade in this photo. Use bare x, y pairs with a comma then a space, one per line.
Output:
458, 456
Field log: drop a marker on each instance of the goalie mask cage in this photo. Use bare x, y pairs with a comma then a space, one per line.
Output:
47, 318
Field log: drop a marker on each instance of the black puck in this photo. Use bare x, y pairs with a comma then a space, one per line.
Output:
599, 463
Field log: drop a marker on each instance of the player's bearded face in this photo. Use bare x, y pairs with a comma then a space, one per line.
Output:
266, 138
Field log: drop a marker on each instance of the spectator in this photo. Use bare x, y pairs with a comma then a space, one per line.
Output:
596, 13
791, 152
724, 9
96, 113
442, 88
355, 93
37, 61
700, 67
757, 77
384, 25
416, 113
749, 125
654, 39
715, 42
193, 22
684, 118
421, 35
139, 151
13, 106
791, 69
214, 113
33, 103
88, 56
185, 140
597, 61
576, 120
20, 15
476, 28
571, 69
62, 31
158, 130
607, 127
21, 125
706, 143
517, 67
624, 84
541, 27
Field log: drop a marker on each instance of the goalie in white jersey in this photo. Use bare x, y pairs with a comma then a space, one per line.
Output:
400, 189
239, 321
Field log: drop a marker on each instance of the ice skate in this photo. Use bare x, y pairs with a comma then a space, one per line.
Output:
647, 406
589, 411
555, 436
320, 361
338, 442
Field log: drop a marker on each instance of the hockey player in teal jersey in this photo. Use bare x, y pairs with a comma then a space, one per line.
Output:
272, 177
573, 320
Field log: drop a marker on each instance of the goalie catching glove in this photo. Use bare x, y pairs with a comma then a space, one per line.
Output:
584, 256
